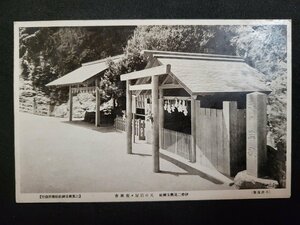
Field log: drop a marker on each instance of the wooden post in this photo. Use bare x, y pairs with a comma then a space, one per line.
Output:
34, 106
155, 131
193, 130
134, 118
161, 117
97, 115
129, 117
70, 103
49, 109
134, 127
256, 126
230, 146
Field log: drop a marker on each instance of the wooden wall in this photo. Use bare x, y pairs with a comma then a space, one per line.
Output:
220, 139
221, 143
176, 142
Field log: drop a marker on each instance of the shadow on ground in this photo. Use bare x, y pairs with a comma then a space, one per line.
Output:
190, 170
104, 128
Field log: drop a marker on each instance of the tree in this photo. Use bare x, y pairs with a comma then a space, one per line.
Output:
49, 53
265, 48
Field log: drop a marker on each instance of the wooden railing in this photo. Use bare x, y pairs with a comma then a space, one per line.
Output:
34, 108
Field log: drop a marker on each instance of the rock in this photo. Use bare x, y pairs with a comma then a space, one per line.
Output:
61, 111
244, 181
28, 93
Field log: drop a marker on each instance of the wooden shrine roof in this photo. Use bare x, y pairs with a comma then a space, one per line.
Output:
83, 73
207, 73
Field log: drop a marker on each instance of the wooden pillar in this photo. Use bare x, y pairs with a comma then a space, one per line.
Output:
155, 131
49, 109
70, 103
161, 117
134, 118
134, 127
230, 145
34, 106
193, 129
256, 125
97, 115
129, 117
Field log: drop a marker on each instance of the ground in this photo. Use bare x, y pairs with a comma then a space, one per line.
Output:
61, 156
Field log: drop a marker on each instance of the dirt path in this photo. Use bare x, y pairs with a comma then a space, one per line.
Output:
58, 156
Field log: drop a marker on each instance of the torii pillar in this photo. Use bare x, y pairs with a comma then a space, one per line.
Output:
155, 130
129, 117
70, 103
97, 119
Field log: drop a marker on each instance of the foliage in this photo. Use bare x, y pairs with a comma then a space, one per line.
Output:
265, 48
180, 38
49, 53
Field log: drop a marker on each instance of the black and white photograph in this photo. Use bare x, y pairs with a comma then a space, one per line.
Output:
152, 110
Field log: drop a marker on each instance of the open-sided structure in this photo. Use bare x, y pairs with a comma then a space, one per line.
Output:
211, 91
85, 79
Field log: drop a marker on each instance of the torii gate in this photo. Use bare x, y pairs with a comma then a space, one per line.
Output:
157, 107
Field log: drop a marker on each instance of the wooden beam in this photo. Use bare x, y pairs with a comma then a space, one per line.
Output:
170, 86
97, 115
182, 84
134, 128
133, 116
140, 87
146, 79
193, 129
165, 80
158, 70
161, 117
83, 89
70, 103
129, 117
155, 131
177, 97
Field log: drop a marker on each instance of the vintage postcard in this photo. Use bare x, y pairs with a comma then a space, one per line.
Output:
152, 110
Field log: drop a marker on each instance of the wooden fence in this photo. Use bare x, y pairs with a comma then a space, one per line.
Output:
176, 142
120, 124
138, 129
221, 138
34, 108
